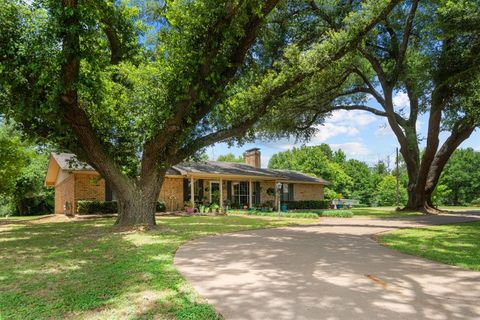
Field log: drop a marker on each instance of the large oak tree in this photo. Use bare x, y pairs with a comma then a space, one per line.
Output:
428, 50
136, 87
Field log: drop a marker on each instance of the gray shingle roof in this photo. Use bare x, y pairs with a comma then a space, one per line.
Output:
68, 161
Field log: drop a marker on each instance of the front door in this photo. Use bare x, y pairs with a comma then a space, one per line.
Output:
215, 192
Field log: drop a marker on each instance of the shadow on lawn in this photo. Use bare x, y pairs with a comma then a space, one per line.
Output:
84, 270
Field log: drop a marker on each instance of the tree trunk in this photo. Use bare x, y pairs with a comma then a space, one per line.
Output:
137, 210
137, 206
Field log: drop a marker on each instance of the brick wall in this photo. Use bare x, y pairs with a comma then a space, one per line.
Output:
88, 186
172, 194
307, 192
64, 192
264, 185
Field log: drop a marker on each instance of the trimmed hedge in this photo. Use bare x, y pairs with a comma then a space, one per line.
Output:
106, 207
336, 213
308, 204
305, 215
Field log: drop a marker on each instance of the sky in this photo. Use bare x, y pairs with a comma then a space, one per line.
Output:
360, 134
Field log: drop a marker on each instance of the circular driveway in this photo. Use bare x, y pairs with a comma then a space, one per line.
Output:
333, 270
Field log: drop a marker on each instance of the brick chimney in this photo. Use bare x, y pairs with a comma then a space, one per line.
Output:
252, 157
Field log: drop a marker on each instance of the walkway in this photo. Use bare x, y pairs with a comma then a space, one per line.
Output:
333, 270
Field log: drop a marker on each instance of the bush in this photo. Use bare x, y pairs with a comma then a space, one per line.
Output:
306, 215
308, 204
106, 207
336, 213
96, 207
476, 202
361, 205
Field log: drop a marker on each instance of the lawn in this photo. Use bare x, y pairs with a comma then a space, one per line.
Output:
89, 270
390, 212
382, 212
455, 244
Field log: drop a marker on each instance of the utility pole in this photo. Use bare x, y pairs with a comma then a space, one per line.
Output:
398, 182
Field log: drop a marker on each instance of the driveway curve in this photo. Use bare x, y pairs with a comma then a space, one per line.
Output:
333, 270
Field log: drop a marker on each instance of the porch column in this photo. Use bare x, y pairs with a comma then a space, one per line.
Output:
192, 192
250, 194
221, 195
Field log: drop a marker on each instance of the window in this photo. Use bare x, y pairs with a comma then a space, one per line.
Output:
240, 193
286, 192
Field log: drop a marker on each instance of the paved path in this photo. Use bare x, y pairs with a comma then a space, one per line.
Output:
333, 270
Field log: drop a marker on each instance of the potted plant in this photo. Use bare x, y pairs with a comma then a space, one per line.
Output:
189, 207
269, 204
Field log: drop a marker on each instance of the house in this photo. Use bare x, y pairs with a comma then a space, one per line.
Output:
236, 183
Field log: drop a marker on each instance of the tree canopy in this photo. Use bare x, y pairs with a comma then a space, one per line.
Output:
427, 50
136, 87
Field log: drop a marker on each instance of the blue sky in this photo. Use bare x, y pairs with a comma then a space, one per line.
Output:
359, 134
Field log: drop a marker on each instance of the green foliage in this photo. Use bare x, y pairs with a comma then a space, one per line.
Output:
230, 157
313, 160
21, 175
13, 157
461, 177
336, 213
85, 207
386, 194
96, 207
476, 202
288, 214
310, 204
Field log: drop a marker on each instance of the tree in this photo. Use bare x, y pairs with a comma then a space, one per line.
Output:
312, 160
22, 174
428, 51
230, 157
461, 178
13, 158
386, 192
363, 186
86, 75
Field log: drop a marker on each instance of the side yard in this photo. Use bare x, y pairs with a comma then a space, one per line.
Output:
455, 244
89, 270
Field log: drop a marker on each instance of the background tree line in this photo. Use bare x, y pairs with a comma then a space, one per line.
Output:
22, 172
376, 185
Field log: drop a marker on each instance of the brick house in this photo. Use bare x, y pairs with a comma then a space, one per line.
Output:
240, 184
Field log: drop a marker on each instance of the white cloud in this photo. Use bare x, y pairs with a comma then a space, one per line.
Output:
384, 130
351, 118
400, 100
352, 149
330, 130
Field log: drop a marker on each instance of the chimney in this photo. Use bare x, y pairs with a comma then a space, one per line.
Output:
252, 157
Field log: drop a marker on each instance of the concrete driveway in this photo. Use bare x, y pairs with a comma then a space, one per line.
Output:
333, 270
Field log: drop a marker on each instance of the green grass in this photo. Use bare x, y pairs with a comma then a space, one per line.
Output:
89, 270
20, 218
455, 244
390, 212
382, 212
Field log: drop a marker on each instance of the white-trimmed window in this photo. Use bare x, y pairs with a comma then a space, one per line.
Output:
240, 192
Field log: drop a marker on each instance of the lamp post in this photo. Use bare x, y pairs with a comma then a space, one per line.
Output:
279, 189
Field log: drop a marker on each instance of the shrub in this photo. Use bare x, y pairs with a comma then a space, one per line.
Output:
476, 202
336, 213
106, 207
306, 215
96, 207
308, 204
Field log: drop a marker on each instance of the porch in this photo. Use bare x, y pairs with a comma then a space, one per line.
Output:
234, 192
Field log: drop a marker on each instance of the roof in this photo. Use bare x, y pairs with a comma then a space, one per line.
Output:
227, 168
240, 169
69, 162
